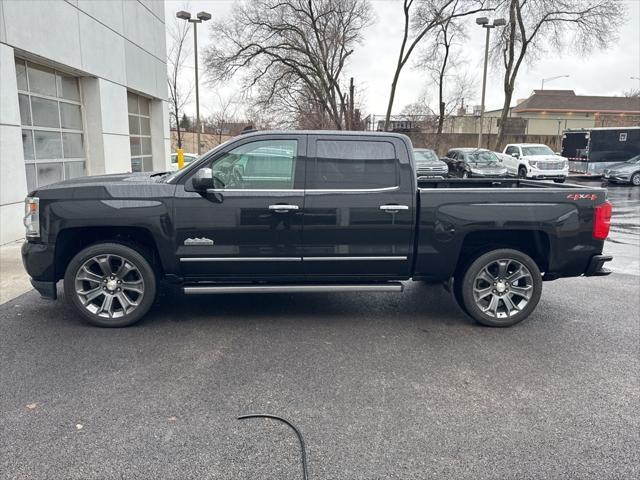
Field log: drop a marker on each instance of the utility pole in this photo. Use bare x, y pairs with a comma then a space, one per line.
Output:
351, 90
200, 17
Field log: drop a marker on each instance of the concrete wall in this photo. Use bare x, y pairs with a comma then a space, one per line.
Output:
113, 46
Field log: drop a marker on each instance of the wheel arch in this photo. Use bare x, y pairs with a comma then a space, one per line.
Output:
534, 243
70, 241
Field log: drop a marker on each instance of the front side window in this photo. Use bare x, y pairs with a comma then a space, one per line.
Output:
51, 119
511, 150
139, 133
259, 165
353, 164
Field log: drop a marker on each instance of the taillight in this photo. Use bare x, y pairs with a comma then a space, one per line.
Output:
602, 220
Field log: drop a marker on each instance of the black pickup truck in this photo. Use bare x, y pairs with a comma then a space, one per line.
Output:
309, 211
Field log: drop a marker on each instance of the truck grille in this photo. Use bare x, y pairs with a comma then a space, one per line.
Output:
551, 165
432, 170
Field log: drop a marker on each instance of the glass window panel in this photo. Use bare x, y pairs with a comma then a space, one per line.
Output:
144, 106
70, 116
346, 164
31, 177
68, 87
73, 170
134, 125
48, 145
49, 173
132, 102
136, 164
25, 113
45, 112
146, 145
145, 127
261, 164
72, 145
147, 164
135, 145
21, 75
27, 144
41, 80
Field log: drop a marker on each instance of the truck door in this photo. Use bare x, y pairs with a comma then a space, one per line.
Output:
250, 225
359, 207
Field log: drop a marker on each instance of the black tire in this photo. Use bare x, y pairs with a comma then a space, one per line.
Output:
140, 277
502, 316
635, 179
522, 172
559, 180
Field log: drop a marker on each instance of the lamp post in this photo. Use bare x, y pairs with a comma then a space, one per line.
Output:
484, 23
200, 17
550, 79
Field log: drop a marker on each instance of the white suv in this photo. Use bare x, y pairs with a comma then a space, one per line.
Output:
534, 160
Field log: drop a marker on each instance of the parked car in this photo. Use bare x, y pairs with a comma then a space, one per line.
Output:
188, 158
624, 172
428, 164
474, 162
534, 160
309, 211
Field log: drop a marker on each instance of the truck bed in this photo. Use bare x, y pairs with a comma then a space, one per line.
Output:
458, 217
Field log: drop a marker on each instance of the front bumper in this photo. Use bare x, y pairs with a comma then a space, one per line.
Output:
548, 174
596, 266
39, 262
617, 177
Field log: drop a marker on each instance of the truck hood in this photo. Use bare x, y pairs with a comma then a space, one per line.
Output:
119, 185
545, 158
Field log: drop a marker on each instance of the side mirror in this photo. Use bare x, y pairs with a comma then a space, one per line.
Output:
203, 180
515, 155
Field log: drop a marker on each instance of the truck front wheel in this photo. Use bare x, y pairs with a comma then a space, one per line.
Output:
110, 285
501, 288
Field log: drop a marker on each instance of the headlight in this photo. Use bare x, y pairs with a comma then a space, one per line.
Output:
32, 217
533, 164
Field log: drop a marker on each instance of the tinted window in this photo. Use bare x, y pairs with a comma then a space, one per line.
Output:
511, 150
264, 164
353, 164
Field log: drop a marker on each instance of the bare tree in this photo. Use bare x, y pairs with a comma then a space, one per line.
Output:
538, 25
441, 61
293, 52
224, 113
179, 90
632, 93
422, 18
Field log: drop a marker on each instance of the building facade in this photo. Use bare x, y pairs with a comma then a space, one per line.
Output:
83, 91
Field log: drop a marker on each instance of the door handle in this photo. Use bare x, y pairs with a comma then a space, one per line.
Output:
281, 208
393, 208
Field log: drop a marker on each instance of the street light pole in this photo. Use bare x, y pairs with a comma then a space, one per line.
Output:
200, 17
552, 78
484, 22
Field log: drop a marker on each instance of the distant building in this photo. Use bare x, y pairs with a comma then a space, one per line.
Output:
550, 112
83, 91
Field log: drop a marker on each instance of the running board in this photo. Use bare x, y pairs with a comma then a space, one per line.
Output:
368, 287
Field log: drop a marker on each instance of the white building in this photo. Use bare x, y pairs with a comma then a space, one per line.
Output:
83, 91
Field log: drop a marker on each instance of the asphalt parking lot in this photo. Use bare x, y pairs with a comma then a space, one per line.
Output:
381, 385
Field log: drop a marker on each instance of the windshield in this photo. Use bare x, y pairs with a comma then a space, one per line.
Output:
173, 175
425, 155
483, 157
537, 150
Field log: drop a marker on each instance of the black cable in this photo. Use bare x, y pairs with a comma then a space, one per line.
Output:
293, 427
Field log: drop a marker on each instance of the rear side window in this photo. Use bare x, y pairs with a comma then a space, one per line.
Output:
353, 164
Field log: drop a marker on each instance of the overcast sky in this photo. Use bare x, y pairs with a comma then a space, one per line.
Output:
372, 65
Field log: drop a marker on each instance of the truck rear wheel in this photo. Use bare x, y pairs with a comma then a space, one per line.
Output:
501, 288
110, 285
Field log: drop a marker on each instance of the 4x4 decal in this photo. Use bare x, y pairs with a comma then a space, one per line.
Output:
582, 196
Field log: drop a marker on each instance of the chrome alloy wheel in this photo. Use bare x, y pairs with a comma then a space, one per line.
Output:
503, 288
109, 286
